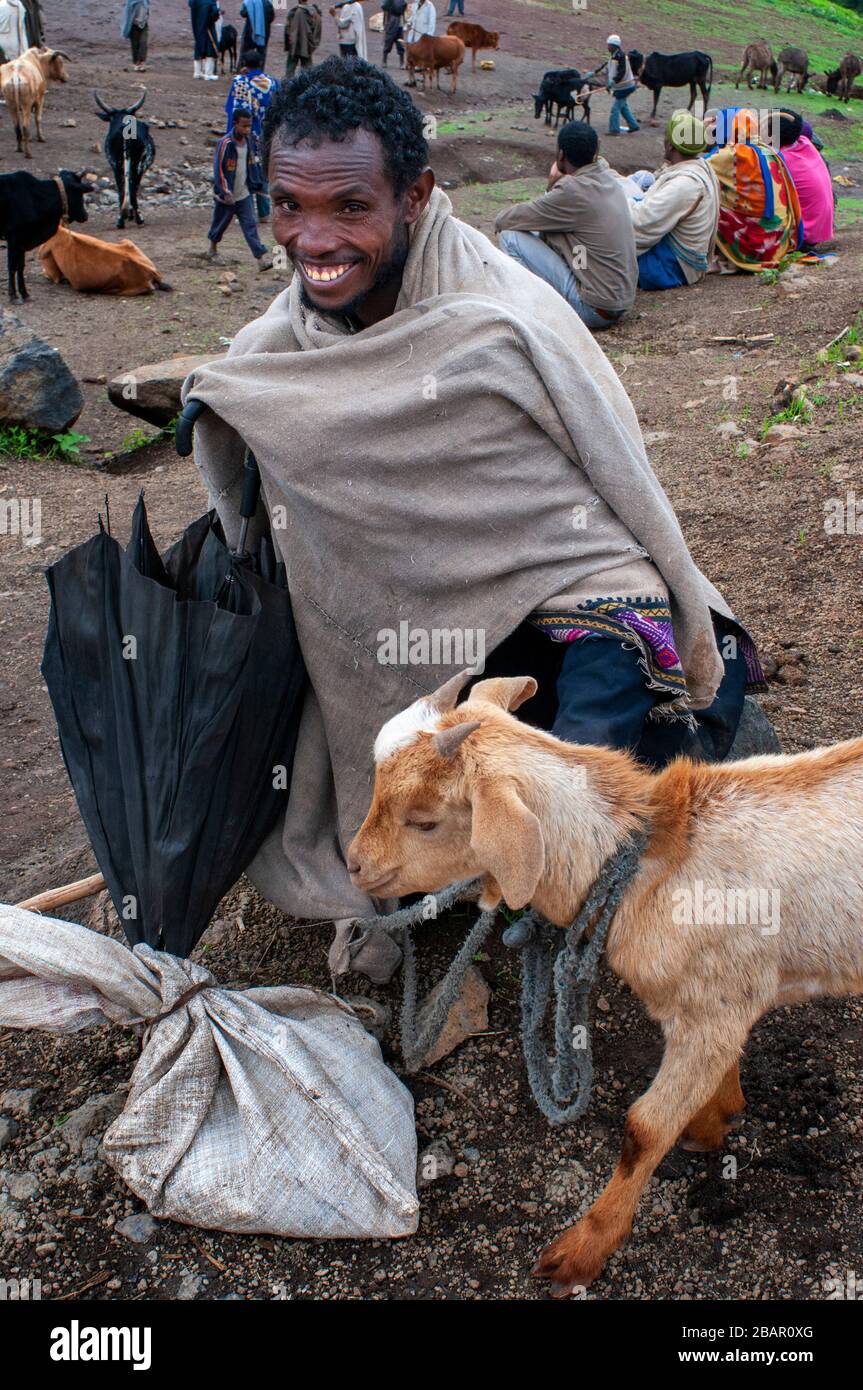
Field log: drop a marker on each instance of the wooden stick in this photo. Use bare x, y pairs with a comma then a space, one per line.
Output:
69, 893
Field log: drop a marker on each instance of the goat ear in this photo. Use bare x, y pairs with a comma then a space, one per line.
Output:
508, 692
507, 839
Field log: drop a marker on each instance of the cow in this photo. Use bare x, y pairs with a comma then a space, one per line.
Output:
675, 70
31, 210
23, 82
228, 48
559, 88
474, 37
795, 63
129, 149
429, 55
840, 82
757, 58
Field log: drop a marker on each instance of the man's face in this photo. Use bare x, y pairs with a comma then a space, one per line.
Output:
242, 126
338, 218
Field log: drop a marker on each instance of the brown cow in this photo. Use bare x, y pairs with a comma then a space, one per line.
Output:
474, 37
757, 57
429, 55
23, 82
840, 82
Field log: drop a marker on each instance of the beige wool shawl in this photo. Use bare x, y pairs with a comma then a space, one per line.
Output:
425, 470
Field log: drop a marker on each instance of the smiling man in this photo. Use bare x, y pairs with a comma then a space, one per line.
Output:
447, 455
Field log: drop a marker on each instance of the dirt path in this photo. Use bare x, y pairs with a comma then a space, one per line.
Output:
754, 516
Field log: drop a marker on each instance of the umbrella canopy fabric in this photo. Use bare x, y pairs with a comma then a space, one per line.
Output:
177, 685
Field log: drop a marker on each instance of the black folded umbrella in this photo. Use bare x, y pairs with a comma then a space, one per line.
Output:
177, 685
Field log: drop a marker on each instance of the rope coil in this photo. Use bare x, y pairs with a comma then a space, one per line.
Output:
561, 1084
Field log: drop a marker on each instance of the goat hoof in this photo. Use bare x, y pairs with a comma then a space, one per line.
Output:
571, 1262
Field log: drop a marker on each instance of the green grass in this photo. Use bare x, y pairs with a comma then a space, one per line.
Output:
826, 30
21, 443
487, 199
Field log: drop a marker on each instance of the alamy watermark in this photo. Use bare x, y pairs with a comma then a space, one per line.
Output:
432, 646
732, 907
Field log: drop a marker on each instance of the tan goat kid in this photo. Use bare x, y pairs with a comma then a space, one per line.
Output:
470, 790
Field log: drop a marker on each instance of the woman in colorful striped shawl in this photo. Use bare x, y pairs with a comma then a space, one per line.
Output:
759, 213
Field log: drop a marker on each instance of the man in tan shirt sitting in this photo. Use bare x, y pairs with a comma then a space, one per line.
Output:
578, 235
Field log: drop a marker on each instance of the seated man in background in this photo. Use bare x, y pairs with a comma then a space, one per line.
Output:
675, 221
811, 178
577, 235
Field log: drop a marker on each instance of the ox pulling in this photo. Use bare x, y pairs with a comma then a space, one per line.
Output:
31, 210
129, 149
23, 82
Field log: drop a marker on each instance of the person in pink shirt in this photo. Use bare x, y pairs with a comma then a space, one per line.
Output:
811, 178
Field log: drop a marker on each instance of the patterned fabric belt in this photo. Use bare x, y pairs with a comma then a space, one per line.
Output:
644, 624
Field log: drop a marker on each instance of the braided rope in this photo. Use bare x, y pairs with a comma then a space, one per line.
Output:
560, 1084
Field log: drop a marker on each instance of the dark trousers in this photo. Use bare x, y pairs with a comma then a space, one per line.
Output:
594, 691
245, 213
452, 7
139, 39
393, 38
347, 50
292, 62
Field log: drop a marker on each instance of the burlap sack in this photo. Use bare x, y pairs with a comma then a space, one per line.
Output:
261, 1110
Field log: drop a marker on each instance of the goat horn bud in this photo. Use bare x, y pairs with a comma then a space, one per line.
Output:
448, 741
445, 697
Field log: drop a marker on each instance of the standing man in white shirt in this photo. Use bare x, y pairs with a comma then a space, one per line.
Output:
13, 29
423, 20
420, 21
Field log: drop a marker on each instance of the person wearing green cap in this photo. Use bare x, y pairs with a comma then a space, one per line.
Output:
675, 221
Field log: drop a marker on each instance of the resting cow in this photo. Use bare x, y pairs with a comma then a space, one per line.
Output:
474, 37
99, 267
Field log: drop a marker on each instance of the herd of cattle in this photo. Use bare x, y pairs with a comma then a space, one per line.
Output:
31, 209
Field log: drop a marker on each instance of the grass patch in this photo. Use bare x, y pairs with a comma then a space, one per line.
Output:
486, 199
18, 442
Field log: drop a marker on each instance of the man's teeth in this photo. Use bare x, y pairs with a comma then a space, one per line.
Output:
325, 273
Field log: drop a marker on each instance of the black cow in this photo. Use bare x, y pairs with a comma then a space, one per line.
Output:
228, 48
31, 210
675, 70
129, 149
556, 89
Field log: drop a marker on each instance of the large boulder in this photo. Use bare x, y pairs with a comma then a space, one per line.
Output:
37, 390
153, 393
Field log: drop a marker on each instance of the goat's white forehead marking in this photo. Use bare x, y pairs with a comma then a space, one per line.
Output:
404, 728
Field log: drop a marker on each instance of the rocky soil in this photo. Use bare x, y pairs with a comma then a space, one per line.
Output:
707, 369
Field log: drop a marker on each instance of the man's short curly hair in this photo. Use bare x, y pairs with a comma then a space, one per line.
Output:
342, 95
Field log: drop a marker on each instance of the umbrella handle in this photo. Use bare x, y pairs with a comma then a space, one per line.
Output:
186, 424
249, 499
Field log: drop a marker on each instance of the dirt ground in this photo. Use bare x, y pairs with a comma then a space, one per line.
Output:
753, 514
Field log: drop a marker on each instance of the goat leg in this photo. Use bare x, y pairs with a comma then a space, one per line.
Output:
694, 1066
707, 1130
